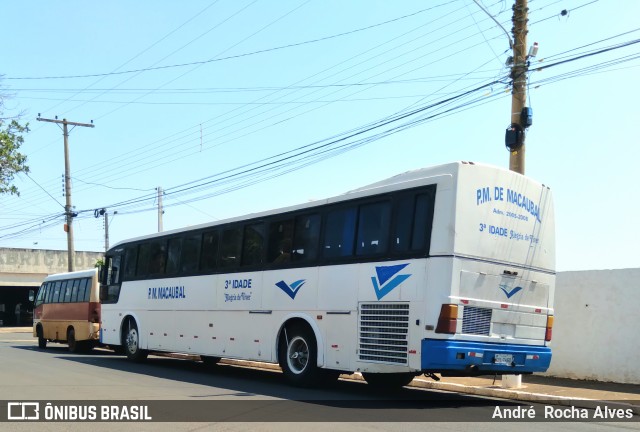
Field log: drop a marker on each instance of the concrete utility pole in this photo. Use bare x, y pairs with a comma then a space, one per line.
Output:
519, 79
106, 231
160, 210
67, 185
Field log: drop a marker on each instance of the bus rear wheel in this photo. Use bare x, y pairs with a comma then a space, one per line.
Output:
132, 342
387, 381
74, 345
298, 355
42, 342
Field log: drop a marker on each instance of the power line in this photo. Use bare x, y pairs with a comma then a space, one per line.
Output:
212, 60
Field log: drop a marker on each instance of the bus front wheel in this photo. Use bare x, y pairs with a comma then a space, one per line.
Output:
298, 355
132, 342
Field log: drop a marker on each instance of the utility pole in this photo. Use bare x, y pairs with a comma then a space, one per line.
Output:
160, 210
106, 231
103, 212
519, 89
67, 185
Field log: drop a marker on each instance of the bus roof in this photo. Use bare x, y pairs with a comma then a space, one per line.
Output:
399, 181
72, 275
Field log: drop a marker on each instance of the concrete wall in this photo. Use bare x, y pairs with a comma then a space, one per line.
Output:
26, 267
596, 334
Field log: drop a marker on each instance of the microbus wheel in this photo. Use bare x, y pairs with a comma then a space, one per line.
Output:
74, 345
42, 342
386, 381
298, 356
132, 342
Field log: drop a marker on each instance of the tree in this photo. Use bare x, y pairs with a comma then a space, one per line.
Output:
11, 160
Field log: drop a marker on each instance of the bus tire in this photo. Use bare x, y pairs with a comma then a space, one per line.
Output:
210, 360
42, 342
74, 345
387, 381
298, 354
131, 342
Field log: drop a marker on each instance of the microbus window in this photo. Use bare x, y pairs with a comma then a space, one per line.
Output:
67, 291
50, 289
56, 292
373, 228
340, 233
82, 286
41, 294
74, 290
86, 283
306, 238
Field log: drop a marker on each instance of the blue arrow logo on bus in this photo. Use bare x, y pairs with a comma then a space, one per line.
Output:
291, 290
504, 289
386, 282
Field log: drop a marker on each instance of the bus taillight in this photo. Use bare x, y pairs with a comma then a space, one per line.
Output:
548, 333
95, 316
448, 319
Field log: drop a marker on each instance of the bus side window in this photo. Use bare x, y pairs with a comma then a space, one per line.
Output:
173, 255
339, 235
306, 238
209, 257
412, 222
403, 224
422, 223
190, 254
373, 228
230, 247
280, 242
130, 256
253, 244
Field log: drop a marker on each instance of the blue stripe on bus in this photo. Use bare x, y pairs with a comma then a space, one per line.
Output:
451, 355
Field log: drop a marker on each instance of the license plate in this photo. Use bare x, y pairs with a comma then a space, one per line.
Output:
505, 359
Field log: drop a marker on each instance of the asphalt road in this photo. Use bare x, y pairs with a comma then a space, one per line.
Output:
230, 398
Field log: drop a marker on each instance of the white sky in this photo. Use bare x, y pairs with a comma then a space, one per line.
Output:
174, 125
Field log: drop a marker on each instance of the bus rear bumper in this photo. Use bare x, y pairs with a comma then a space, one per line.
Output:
478, 358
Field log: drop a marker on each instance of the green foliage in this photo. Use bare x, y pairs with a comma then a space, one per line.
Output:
11, 160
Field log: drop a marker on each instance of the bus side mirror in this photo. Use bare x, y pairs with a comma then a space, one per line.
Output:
32, 295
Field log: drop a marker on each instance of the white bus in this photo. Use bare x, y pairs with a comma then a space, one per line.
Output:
448, 269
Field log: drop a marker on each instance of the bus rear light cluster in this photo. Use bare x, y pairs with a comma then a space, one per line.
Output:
548, 333
448, 319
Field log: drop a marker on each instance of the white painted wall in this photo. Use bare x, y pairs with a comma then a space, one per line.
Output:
596, 335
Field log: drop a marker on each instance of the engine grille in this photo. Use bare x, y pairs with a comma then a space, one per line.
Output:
476, 320
383, 332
